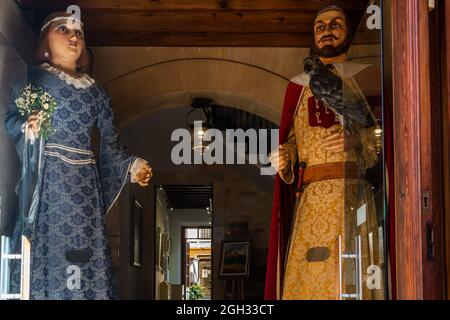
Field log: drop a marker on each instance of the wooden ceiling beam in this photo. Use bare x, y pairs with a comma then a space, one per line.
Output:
205, 39
164, 5
195, 23
199, 40
255, 22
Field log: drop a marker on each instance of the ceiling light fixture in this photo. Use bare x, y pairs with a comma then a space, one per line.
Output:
197, 134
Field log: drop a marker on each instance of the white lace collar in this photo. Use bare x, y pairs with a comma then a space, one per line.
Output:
83, 82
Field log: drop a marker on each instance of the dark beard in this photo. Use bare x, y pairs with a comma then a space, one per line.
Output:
330, 51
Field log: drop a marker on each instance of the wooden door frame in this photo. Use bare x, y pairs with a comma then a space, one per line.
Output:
413, 147
446, 138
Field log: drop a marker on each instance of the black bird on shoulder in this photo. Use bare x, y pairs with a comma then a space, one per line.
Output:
328, 88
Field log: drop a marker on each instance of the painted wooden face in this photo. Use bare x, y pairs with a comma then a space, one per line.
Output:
66, 40
330, 29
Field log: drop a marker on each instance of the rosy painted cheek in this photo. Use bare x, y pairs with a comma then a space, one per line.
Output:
57, 37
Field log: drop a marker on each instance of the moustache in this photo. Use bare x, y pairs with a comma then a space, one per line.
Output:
328, 38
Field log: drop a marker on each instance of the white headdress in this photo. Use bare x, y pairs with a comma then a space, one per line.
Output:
56, 19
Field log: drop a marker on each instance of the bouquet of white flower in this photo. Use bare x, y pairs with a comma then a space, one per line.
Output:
35, 100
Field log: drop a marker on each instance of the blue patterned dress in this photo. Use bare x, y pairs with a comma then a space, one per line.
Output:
75, 191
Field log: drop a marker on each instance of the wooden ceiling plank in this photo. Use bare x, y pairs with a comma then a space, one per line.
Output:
196, 23
301, 40
203, 22
163, 5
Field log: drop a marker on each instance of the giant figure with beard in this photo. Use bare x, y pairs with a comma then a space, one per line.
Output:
328, 138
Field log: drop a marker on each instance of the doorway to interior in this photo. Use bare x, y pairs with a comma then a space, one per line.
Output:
183, 242
197, 262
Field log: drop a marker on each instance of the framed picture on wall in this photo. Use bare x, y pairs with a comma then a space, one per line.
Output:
137, 222
158, 248
169, 253
163, 252
235, 259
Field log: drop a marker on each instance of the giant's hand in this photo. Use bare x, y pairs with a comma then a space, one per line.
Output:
33, 123
279, 159
341, 142
141, 173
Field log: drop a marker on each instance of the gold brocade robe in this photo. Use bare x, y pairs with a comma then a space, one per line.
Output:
327, 210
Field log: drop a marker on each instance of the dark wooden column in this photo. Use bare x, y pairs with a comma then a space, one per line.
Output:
411, 110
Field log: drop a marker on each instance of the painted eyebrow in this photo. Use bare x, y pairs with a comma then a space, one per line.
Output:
61, 23
334, 20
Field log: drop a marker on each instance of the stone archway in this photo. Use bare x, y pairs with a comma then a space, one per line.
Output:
174, 83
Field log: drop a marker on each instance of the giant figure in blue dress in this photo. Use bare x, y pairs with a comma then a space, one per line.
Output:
74, 190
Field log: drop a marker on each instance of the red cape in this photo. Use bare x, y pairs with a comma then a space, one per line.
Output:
284, 202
